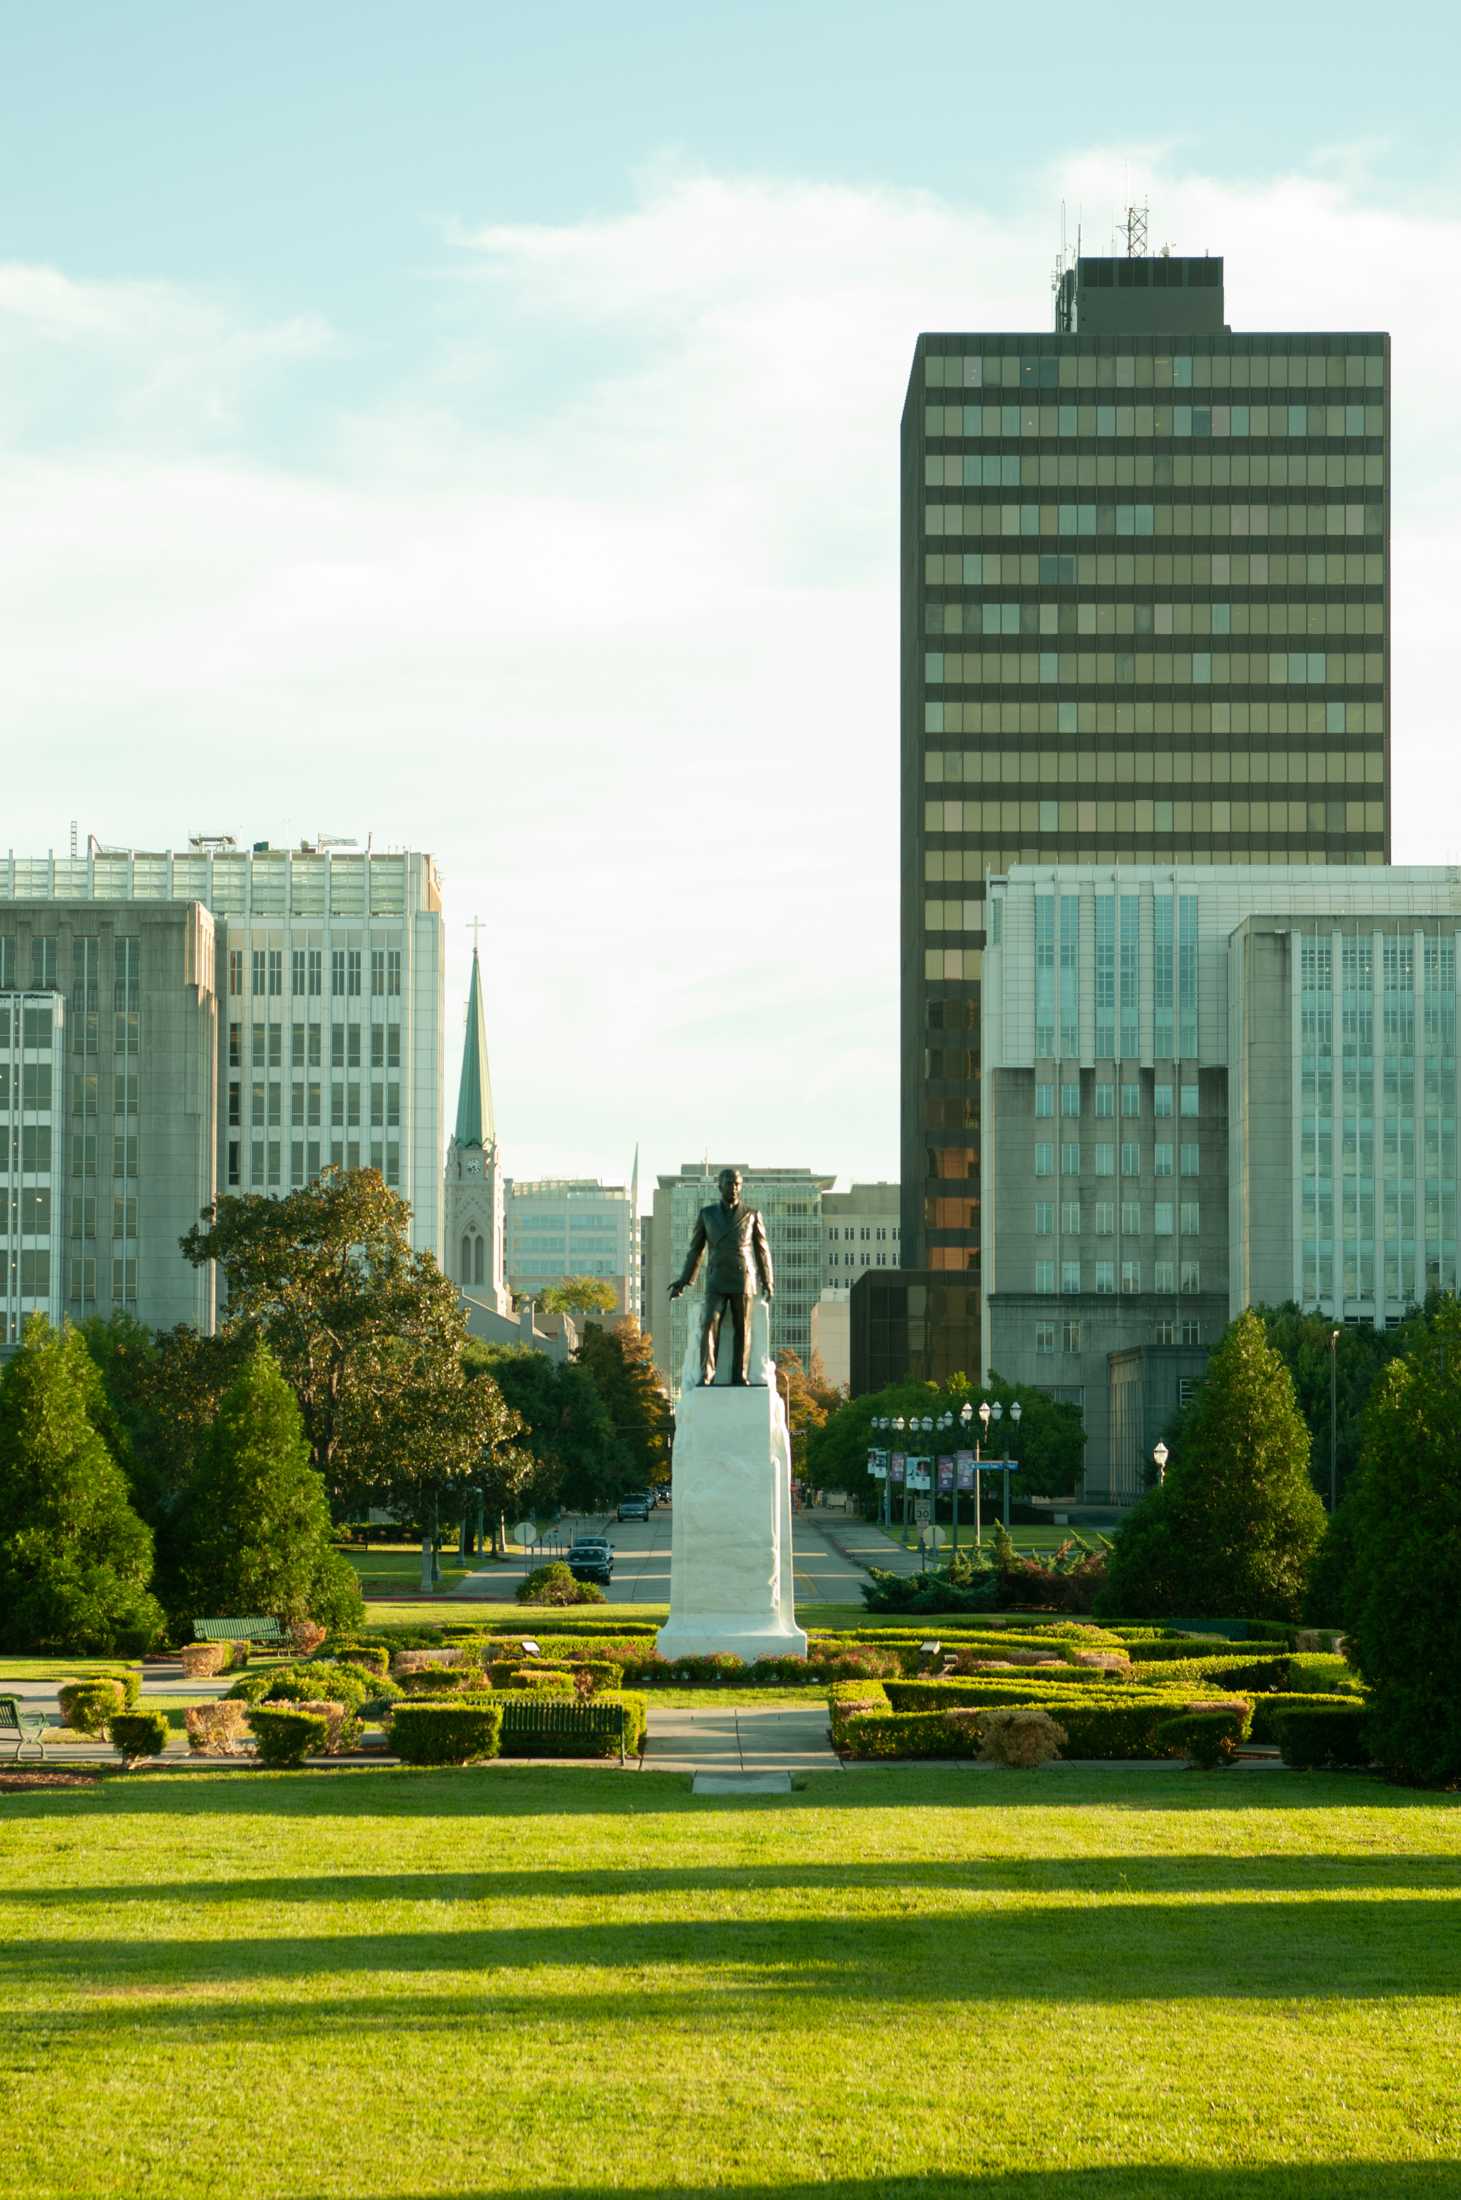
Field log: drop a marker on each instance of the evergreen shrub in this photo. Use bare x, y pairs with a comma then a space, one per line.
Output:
86, 1706
1208, 1738
452, 1733
285, 1737
1315, 1738
137, 1734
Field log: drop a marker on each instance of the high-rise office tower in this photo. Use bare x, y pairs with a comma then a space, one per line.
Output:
1145, 590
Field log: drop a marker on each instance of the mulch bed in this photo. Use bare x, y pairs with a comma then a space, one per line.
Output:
16, 1781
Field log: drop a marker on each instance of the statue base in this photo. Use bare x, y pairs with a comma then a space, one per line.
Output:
731, 1547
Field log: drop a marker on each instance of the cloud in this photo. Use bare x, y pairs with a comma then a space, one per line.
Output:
599, 601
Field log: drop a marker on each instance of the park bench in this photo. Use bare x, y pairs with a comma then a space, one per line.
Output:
265, 1631
27, 1729
541, 1718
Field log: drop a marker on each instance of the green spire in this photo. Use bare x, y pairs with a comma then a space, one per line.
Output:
475, 1126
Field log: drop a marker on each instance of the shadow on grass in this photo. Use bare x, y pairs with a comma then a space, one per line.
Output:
508, 1791
1374, 2180
733, 1968
1246, 1876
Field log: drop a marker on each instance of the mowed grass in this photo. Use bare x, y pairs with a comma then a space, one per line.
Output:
1074, 1985
387, 1567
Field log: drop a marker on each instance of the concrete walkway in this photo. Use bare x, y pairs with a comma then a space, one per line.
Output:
739, 1738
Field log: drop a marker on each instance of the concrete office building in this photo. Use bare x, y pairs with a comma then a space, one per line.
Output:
108, 1115
860, 1232
1240, 1086
1144, 617
32, 1158
572, 1226
790, 1201
330, 1007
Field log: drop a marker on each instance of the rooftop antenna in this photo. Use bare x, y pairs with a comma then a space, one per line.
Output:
1135, 228
75, 839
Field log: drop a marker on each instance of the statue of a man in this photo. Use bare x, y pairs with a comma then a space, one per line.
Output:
739, 1264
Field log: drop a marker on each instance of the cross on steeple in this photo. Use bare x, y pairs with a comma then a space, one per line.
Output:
474, 928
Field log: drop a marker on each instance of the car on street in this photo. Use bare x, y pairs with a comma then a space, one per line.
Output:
591, 1558
635, 1506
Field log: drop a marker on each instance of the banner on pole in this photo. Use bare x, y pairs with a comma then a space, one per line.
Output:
945, 1476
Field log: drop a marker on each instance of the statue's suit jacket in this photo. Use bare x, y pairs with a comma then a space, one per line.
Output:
739, 1261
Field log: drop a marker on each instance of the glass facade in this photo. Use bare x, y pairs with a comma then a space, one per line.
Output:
1376, 1156
1145, 617
32, 1126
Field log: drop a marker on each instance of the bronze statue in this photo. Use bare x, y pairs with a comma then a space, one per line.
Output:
739, 1265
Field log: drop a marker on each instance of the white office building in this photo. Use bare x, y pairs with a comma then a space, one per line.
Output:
330, 1004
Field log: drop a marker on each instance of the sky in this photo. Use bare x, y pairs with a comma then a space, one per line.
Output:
477, 426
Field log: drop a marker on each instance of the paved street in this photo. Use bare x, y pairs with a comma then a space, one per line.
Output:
833, 1552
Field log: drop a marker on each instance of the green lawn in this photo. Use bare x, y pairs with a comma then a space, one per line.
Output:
899, 1984
397, 1566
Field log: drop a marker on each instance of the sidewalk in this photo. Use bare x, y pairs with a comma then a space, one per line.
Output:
861, 1542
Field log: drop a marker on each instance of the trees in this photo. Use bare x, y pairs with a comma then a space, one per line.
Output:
621, 1363
578, 1460
75, 1559
1361, 1354
1049, 1443
808, 1397
255, 1536
1235, 1526
367, 1332
1402, 1589
579, 1295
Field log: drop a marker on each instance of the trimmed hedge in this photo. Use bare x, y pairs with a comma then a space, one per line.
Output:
442, 1680
1263, 1672
138, 1734
1121, 1723
1268, 1711
1209, 1738
286, 1737
372, 1657
460, 1731
86, 1706
606, 1717
1321, 1673
1327, 1737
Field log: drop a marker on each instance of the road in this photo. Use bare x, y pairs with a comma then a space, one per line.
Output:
823, 1573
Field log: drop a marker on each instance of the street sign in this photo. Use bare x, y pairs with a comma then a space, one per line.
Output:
525, 1532
922, 1511
936, 1536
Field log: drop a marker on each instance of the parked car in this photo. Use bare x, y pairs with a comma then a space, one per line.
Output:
591, 1559
635, 1506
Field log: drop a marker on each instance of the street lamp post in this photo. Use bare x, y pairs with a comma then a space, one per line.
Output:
1016, 1409
1333, 1419
985, 1410
1161, 1455
966, 1415
945, 1423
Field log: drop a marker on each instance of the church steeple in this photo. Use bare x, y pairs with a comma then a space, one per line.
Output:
475, 1124
474, 1206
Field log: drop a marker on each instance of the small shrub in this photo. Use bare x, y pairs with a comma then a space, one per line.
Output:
306, 1635
342, 1727
286, 1737
86, 1706
251, 1687
554, 1584
1022, 1737
318, 1681
1317, 1739
535, 1680
460, 1733
832, 1662
374, 1657
442, 1680
1207, 1738
425, 1660
137, 1734
215, 1729
201, 1660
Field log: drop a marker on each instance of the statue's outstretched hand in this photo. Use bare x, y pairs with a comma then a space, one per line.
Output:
676, 1289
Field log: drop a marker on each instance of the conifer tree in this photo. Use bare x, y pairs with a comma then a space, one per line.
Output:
255, 1531
1402, 1590
75, 1560
1233, 1530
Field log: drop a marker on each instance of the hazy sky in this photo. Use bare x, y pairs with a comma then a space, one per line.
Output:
477, 425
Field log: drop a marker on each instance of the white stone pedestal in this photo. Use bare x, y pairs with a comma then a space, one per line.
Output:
731, 1551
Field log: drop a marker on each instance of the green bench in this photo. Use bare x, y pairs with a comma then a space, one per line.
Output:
27, 1729
530, 1719
265, 1631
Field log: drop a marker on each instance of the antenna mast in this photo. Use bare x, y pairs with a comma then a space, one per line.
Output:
1135, 227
